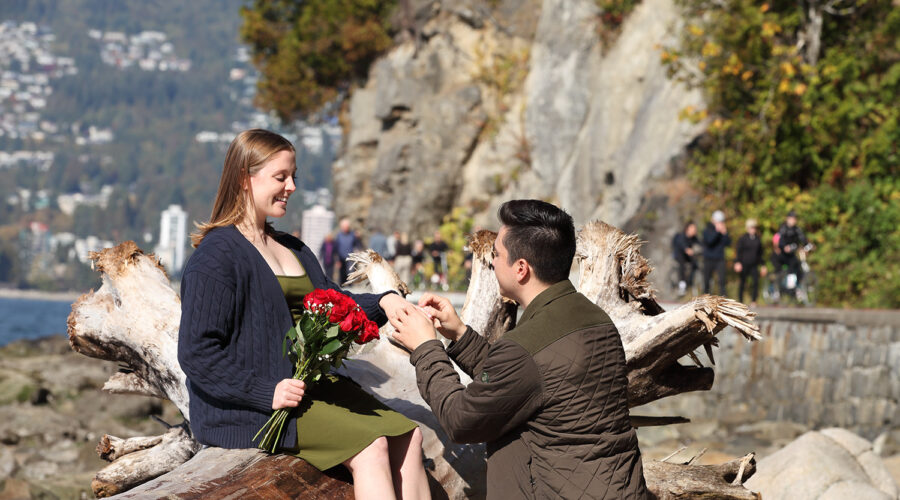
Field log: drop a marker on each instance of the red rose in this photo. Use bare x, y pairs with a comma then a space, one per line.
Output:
340, 310
332, 296
369, 333
314, 298
353, 321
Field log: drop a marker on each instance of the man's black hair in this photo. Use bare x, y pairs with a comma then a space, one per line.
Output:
540, 233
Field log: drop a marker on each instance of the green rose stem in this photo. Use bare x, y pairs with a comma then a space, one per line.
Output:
275, 425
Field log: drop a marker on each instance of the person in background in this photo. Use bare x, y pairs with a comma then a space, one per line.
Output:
241, 291
392, 246
418, 263
683, 252
550, 398
790, 239
347, 242
328, 255
749, 261
438, 251
403, 258
378, 242
715, 241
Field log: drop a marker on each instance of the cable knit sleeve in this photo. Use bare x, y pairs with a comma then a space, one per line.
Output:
205, 350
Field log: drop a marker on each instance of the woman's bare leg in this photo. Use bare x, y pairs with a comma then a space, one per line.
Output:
408, 471
371, 470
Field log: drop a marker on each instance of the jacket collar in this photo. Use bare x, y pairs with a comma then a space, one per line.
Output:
553, 292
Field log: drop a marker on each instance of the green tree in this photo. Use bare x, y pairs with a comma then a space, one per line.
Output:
802, 114
311, 52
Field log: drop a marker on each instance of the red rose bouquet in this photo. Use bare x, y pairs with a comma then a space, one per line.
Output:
321, 340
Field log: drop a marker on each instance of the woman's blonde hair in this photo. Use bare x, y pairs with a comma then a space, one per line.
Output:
246, 155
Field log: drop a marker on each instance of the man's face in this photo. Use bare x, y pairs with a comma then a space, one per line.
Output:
691, 231
504, 271
791, 221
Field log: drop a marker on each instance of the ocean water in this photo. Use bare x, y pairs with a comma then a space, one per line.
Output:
32, 318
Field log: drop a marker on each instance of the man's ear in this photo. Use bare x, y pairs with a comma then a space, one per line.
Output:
523, 270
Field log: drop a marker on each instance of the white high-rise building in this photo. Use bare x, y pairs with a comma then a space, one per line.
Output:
172, 238
317, 222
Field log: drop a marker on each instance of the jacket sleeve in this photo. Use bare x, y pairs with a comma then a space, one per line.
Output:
502, 397
469, 352
207, 323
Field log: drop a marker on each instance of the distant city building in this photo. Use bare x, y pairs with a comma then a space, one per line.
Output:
172, 238
317, 222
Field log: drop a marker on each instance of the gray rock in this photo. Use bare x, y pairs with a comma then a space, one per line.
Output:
8, 465
587, 129
823, 464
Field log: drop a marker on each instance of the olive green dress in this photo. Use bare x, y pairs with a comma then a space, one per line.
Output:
336, 418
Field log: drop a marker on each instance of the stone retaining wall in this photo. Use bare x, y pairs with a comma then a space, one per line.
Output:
814, 367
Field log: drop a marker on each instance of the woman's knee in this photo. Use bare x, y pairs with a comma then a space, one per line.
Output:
376, 452
415, 440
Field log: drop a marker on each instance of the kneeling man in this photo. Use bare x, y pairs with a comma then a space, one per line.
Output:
550, 397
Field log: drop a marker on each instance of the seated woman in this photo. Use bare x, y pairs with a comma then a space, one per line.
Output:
241, 291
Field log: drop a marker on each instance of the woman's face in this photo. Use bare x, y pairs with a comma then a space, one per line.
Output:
272, 185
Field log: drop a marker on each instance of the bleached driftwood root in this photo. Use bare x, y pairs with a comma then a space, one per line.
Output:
613, 274
138, 460
671, 481
133, 319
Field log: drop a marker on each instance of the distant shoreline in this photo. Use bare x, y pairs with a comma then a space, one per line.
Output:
10, 293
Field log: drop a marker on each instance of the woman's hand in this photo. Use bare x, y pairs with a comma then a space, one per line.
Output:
413, 327
288, 393
391, 303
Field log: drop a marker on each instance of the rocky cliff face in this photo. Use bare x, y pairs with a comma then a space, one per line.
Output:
523, 100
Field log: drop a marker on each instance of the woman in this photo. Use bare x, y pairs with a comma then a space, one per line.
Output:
241, 291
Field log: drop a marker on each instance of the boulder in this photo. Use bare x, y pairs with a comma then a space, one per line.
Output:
829, 464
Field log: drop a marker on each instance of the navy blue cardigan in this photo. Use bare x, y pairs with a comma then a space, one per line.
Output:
233, 320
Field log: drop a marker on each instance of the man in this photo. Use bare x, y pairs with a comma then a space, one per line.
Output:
748, 261
683, 253
550, 397
378, 242
347, 242
715, 241
790, 239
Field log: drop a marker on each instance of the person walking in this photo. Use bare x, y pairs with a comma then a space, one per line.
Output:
715, 241
550, 398
749, 261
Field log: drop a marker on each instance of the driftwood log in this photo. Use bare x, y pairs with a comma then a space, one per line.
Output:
133, 319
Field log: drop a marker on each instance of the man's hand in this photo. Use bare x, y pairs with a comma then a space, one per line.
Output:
288, 393
391, 303
446, 320
413, 327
